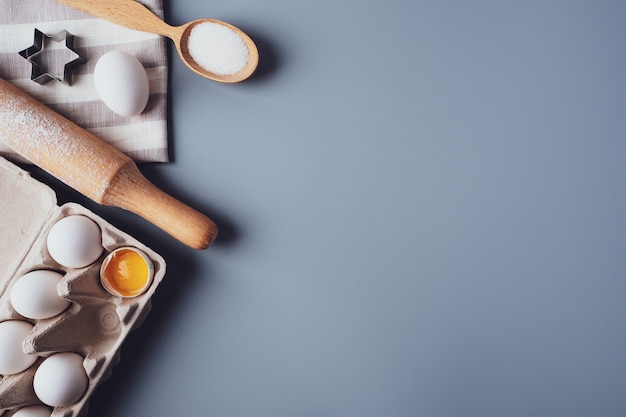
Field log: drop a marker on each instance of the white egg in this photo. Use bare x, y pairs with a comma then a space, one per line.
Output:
75, 241
122, 83
61, 379
35, 295
12, 357
33, 411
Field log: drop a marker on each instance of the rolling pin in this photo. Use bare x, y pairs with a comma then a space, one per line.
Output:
93, 167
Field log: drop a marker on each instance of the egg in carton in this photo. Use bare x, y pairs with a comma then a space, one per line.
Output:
66, 342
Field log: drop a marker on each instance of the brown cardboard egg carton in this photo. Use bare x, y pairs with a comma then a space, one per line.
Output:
95, 324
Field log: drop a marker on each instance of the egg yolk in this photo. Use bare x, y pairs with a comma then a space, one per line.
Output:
127, 272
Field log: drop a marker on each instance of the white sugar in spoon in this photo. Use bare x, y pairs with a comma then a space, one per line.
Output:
237, 48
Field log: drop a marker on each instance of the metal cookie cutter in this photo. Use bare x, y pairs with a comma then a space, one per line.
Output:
41, 75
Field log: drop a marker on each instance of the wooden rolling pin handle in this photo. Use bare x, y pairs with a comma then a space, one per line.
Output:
130, 190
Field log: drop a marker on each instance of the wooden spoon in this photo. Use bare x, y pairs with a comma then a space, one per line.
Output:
134, 15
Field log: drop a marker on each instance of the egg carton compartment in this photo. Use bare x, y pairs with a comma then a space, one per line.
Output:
95, 323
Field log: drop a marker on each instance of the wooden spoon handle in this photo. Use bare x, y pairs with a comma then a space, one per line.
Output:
128, 13
93, 167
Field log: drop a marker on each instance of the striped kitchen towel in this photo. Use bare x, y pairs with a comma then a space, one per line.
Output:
142, 137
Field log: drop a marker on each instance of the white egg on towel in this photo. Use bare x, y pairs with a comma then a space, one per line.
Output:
122, 83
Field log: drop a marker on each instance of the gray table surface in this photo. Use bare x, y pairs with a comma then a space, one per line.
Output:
422, 212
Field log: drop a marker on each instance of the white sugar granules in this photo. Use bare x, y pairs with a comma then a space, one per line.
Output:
217, 48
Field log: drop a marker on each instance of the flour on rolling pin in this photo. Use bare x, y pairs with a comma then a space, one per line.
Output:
30, 132
93, 167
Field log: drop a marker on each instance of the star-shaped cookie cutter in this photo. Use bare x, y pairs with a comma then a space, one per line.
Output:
39, 74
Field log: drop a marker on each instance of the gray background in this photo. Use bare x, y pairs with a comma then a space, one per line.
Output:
422, 212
